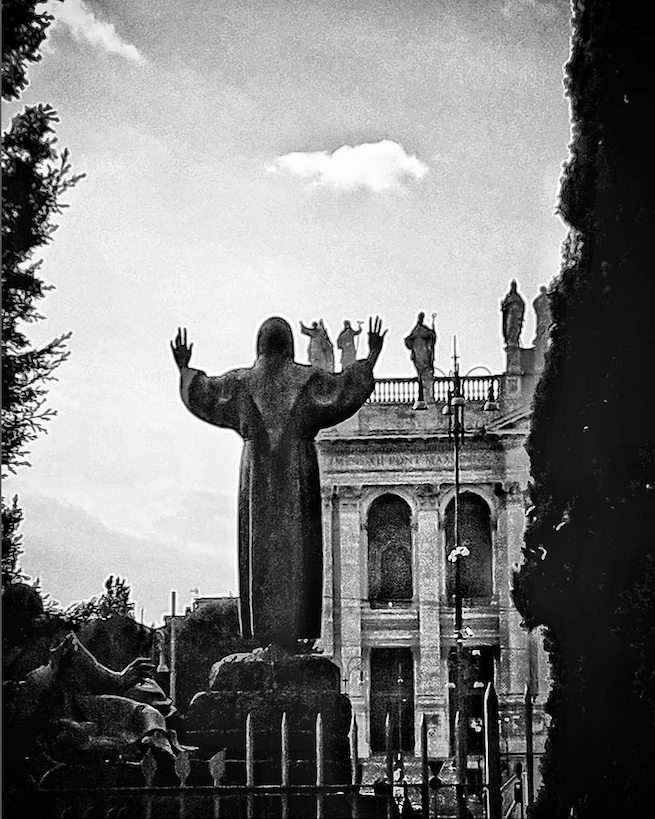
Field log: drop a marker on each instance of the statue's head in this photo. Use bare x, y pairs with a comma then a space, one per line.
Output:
512, 286
346, 324
275, 338
421, 316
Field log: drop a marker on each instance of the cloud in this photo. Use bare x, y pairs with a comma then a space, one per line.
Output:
84, 25
377, 166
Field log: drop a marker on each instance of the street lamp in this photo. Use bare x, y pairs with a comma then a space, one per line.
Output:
454, 410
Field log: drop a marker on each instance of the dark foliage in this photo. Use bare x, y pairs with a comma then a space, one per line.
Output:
12, 517
588, 571
34, 177
114, 601
23, 32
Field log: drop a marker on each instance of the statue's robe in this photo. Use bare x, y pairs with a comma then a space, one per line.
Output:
421, 342
277, 407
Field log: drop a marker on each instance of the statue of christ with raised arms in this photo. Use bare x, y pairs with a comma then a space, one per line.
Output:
278, 406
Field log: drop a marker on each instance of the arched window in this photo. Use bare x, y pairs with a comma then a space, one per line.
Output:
475, 533
389, 550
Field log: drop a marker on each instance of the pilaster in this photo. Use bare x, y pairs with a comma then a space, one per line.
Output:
429, 680
514, 658
352, 568
330, 605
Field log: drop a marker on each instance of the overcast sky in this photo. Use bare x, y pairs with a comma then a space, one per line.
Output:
245, 158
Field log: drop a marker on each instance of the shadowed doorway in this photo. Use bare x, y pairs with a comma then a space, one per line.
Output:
392, 692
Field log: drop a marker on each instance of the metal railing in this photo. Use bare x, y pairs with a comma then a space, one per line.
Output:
146, 798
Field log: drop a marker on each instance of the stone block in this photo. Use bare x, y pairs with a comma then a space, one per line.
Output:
267, 683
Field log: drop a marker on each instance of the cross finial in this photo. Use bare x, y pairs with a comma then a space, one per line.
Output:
455, 357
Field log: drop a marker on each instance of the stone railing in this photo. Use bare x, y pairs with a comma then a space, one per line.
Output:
405, 390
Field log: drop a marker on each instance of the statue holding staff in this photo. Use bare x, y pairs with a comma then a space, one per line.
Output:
320, 348
421, 343
346, 343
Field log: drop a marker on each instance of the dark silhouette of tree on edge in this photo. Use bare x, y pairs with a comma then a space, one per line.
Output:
35, 174
588, 572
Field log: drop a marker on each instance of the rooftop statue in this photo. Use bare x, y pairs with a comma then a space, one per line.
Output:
421, 342
278, 406
513, 309
346, 343
328, 347
321, 350
542, 316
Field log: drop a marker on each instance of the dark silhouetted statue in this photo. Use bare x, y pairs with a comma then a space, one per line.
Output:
346, 343
278, 406
421, 343
542, 317
513, 309
321, 350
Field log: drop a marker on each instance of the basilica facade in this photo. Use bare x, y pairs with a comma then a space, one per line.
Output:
388, 491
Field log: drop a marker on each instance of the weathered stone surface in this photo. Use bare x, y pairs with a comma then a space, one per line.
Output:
266, 684
278, 406
390, 448
272, 668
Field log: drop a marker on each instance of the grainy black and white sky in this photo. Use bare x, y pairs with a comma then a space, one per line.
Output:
248, 158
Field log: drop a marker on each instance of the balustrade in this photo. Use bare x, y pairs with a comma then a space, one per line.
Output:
405, 390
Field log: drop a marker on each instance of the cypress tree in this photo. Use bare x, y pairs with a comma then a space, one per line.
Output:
588, 572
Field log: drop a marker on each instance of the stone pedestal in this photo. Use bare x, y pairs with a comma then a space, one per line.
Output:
266, 683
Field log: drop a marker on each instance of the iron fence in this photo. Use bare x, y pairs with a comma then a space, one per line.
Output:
142, 796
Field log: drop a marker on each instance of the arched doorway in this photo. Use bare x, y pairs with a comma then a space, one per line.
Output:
392, 692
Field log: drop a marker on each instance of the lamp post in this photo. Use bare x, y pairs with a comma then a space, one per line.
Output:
399, 682
454, 409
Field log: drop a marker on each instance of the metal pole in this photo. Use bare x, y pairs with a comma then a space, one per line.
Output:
492, 754
250, 766
284, 765
461, 753
425, 771
320, 767
399, 680
173, 647
389, 760
352, 738
529, 746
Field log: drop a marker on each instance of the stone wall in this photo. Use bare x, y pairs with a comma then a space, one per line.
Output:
395, 449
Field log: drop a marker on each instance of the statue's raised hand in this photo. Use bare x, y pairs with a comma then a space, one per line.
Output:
181, 351
375, 339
